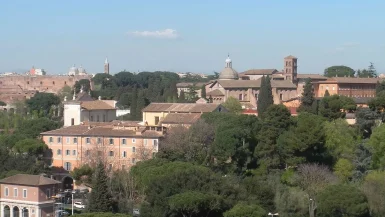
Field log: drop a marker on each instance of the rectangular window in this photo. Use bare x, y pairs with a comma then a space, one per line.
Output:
92, 118
73, 152
99, 140
111, 153
156, 120
68, 152
134, 140
123, 141
111, 141
145, 141
6, 192
240, 97
133, 149
280, 96
48, 193
15, 192
67, 166
88, 140
72, 121
124, 154
104, 118
25, 193
75, 140
59, 152
97, 118
68, 140
155, 143
50, 139
59, 140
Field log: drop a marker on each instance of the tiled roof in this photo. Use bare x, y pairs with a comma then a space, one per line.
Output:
96, 105
181, 107
215, 92
311, 76
84, 97
291, 57
109, 130
351, 80
181, 118
29, 180
259, 72
255, 84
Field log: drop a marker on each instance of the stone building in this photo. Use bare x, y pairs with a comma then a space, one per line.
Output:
27, 196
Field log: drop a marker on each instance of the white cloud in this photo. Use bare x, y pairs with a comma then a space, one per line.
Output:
166, 33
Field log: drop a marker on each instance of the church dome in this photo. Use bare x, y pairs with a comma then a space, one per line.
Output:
73, 70
81, 71
228, 73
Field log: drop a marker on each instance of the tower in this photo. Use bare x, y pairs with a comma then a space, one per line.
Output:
290, 69
106, 67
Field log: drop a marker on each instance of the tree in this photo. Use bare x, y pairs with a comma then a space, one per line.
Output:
134, 103
30, 146
366, 120
233, 105
327, 93
82, 84
339, 71
376, 146
241, 210
140, 104
43, 102
307, 98
378, 104
83, 174
125, 100
380, 86
265, 97
182, 97
2, 103
332, 107
374, 189
372, 71
342, 200
101, 214
100, 198
65, 92
313, 179
124, 78
344, 169
203, 91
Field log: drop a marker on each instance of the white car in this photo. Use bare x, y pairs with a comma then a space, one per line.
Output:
79, 205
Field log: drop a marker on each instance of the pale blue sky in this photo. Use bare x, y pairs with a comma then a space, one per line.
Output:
54, 34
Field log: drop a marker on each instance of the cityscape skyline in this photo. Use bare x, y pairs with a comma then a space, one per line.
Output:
190, 36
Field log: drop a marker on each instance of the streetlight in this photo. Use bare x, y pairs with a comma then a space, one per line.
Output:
272, 214
72, 201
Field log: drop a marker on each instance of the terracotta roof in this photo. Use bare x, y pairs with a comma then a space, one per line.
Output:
29, 180
181, 107
215, 92
96, 105
255, 84
311, 76
84, 97
259, 72
181, 118
350, 80
291, 57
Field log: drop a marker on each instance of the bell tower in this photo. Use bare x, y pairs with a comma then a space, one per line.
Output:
290, 69
106, 66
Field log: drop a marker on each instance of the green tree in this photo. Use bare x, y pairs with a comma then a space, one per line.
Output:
100, 199
307, 99
380, 86
30, 146
344, 169
327, 93
101, 214
374, 189
125, 100
342, 200
366, 120
134, 104
339, 71
124, 78
376, 146
42, 102
233, 105
378, 104
182, 97
203, 91
332, 107
242, 210
83, 174
2, 103
140, 104
265, 97
82, 84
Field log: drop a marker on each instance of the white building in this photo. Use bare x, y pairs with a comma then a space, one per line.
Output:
85, 108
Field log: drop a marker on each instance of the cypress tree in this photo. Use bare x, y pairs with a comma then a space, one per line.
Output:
203, 91
134, 99
307, 99
327, 93
141, 103
265, 98
100, 198
182, 97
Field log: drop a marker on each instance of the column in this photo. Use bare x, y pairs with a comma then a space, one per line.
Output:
2, 210
11, 211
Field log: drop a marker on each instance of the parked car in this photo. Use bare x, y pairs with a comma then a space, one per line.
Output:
136, 212
79, 205
67, 190
61, 213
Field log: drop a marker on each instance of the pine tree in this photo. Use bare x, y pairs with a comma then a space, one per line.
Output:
134, 99
265, 98
100, 199
141, 103
307, 99
327, 93
203, 91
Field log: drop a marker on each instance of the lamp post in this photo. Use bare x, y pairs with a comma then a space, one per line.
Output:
272, 214
72, 201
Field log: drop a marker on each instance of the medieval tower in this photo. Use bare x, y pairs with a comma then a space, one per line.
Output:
106, 67
290, 69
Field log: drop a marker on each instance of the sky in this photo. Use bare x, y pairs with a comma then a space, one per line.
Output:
190, 36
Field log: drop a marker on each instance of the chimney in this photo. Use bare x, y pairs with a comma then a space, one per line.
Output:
99, 98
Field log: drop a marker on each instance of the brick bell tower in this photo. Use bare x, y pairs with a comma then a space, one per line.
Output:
290, 69
106, 67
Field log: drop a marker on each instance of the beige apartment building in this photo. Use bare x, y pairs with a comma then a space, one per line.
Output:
25, 195
119, 144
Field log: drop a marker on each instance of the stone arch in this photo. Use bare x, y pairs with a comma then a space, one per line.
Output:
16, 211
7, 211
67, 182
25, 212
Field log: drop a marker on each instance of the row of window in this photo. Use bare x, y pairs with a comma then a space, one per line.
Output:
87, 152
15, 192
99, 140
68, 165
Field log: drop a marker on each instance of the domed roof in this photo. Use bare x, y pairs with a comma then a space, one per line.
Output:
81, 70
228, 73
73, 70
